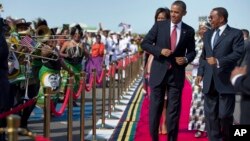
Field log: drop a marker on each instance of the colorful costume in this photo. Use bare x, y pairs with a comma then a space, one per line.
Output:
96, 59
74, 61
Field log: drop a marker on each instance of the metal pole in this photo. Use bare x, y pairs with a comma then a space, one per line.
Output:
126, 78
13, 123
70, 109
122, 80
119, 85
110, 91
82, 107
103, 96
46, 128
94, 106
130, 73
113, 88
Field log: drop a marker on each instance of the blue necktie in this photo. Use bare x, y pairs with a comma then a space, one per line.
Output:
216, 37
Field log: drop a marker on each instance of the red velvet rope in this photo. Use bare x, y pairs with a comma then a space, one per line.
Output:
18, 108
77, 95
99, 80
113, 71
41, 138
119, 64
127, 61
134, 58
88, 87
62, 109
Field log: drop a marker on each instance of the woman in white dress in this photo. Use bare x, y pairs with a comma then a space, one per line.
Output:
196, 116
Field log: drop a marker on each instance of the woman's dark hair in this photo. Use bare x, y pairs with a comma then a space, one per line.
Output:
245, 31
98, 36
76, 28
160, 10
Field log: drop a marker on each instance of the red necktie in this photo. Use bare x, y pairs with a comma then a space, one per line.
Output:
173, 38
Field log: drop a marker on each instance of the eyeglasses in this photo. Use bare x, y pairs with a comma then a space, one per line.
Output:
210, 17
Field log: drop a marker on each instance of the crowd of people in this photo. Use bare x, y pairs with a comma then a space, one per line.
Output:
34, 56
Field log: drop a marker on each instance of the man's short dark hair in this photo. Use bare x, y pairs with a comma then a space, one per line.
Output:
181, 4
222, 12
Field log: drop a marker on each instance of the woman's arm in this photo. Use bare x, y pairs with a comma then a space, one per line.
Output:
62, 50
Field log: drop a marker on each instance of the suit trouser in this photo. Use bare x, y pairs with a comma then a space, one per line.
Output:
5, 106
245, 105
219, 110
173, 107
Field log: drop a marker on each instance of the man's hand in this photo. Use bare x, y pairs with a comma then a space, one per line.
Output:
166, 52
211, 61
198, 80
238, 70
180, 60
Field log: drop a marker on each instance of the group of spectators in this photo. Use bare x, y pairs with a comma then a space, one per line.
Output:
34, 56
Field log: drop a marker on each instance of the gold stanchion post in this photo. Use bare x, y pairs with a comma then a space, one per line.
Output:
119, 85
13, 123
110, 90
122, 80
94, 106
70, 109
83, 74
46, 127
103, 96
113, 88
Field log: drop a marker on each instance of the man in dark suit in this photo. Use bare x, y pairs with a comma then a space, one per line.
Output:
4, 82
168, 67
223, 47
240, 78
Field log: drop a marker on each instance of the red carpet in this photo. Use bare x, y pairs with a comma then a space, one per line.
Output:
142, 129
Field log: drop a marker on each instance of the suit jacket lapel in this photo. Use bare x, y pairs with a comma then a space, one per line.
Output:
183, 34
168, 35
222, 36
210, 34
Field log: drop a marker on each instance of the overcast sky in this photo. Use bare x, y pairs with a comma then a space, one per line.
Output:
138, 13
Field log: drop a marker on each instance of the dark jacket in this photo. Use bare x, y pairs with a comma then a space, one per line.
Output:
228, 50
158, 38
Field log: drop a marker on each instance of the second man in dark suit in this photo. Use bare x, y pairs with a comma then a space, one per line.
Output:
173, 46
223, 47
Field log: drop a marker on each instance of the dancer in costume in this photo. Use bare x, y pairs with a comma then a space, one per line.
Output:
73, 52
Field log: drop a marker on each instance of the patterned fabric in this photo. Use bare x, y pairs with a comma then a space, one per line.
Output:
75, 53
49, 78
196, 115
76, 69
94, 63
